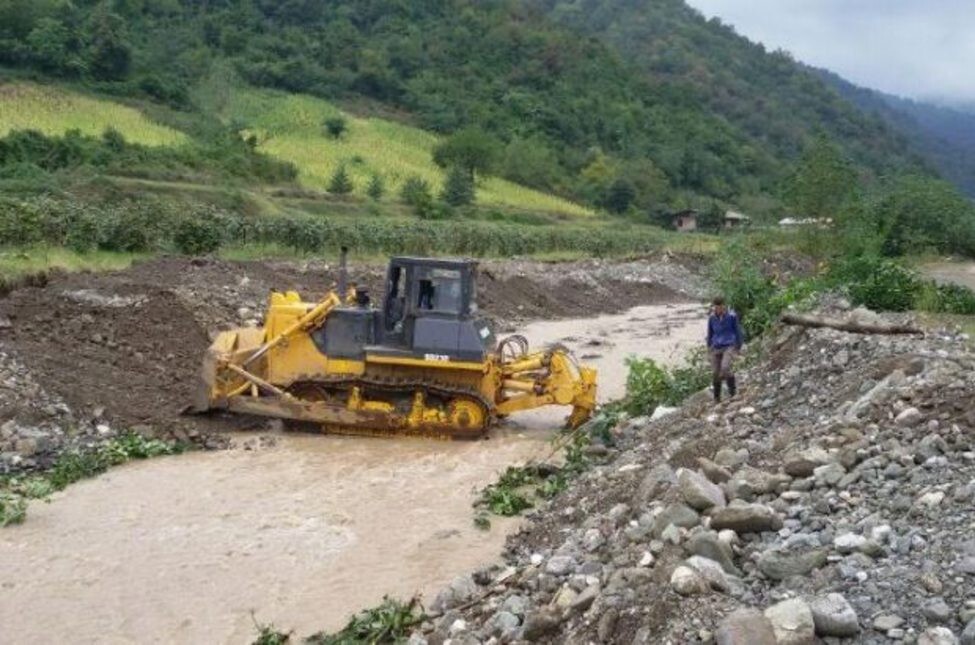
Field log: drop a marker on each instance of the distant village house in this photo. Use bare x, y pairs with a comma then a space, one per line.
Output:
685, 221
734, 219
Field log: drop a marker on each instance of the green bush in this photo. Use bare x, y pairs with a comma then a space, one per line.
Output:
376, 188
877, 283
648, 385
197, 236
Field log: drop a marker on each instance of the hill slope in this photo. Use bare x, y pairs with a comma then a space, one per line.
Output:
631, 103
944, 135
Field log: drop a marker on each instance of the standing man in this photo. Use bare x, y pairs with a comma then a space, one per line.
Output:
724, 344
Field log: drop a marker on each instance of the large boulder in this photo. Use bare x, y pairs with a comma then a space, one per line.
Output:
804, 462
707, 544
937, 636
833, 616
780, 565
698, 491
710, 571
745, 627
679, 515
746, 518
792, 622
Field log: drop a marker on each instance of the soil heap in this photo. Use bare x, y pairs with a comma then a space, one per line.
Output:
832, 501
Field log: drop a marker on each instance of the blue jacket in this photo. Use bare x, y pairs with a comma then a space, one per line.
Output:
724, 331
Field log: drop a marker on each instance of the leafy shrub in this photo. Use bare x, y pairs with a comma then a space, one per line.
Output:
13, 509
197, 236
390, 622
739, 279
336, 126
648, 385
416, 192
878, 283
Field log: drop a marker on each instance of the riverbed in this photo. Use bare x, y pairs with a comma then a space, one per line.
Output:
301, 530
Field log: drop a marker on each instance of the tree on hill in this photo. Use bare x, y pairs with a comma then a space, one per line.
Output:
471, 149
341, 182
823, 182
110, 55
458, 189
336, 126
376, 188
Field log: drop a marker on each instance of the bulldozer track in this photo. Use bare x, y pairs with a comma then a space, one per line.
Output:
406, 387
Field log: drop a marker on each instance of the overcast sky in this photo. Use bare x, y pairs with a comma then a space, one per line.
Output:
916, 48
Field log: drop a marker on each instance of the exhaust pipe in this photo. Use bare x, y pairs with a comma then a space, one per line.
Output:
343, 272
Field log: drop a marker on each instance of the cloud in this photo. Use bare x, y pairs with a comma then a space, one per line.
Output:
915, 48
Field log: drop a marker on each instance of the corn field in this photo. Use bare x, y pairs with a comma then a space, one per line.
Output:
155, 225
54, 111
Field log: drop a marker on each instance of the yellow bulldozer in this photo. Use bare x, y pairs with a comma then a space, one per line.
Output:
424, 363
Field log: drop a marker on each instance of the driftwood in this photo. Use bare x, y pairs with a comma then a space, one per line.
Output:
852, 326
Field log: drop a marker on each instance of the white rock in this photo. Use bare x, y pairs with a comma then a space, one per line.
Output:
833, 616
710, 570
662, 411
688, 582
647, 560
849, 542
792, 622
909, 418
698, 491
937, 636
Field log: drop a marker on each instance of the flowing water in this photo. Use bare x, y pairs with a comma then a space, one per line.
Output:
303, 532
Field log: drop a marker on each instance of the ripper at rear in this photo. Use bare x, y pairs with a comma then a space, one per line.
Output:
724, 344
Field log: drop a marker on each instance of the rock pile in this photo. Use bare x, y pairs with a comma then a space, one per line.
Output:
832, 501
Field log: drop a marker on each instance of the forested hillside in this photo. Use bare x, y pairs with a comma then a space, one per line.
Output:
654, 106
944, 135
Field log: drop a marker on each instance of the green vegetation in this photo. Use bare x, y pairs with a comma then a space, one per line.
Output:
390, 622
74, 466
270, 635
145, 225
649, 385
53, 111
579, 99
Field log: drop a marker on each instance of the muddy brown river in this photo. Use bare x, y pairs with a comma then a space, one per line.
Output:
303, 533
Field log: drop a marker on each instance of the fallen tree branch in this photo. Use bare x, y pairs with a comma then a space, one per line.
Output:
852, 326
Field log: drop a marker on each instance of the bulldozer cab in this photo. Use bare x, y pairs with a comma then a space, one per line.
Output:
429, 308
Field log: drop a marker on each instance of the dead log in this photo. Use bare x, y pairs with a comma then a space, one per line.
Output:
852, 326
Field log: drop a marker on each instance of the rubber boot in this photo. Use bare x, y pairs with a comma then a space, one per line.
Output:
732, 386
716, 387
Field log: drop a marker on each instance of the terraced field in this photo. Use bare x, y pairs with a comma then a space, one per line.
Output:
290, 126
54, 111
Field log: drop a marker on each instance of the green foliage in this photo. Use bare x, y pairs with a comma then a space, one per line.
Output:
504, 497
270, 635
150, 224
222, 155
620, 196
376, 188
740, 280
197, 236
336, 126
648, 385
13, 509
823, 183
341, 182
416, 192
878, 283
471, 149
390, 622
458, 189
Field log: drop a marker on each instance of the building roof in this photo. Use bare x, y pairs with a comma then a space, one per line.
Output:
736, 215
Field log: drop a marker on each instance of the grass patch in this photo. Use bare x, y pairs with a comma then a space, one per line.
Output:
18, 262
75, 466
54, 111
